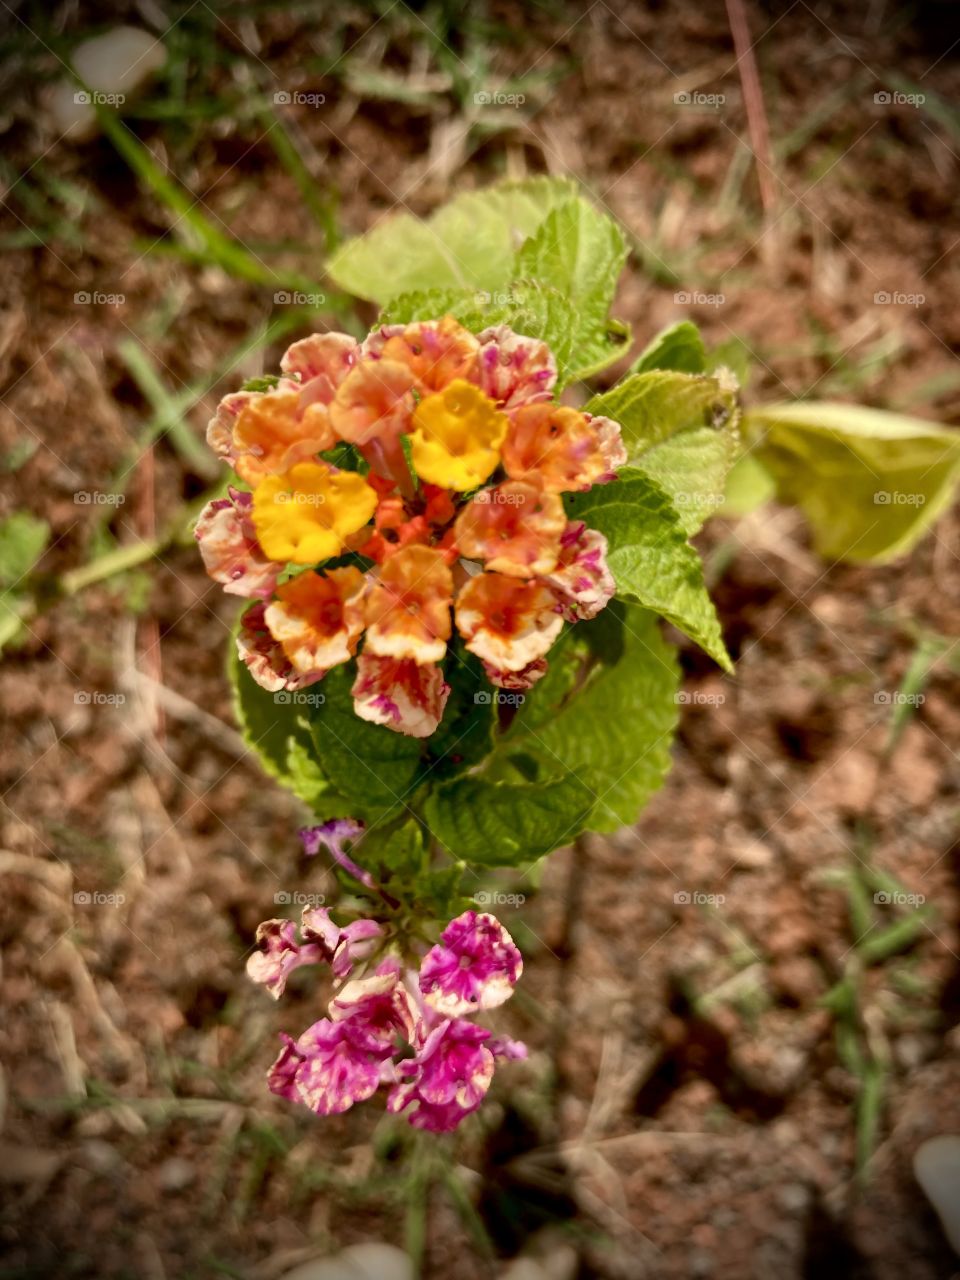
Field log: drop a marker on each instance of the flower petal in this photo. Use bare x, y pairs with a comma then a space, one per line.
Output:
457, 434
230, 550
513, 527
568, 450
507, 622
475, 965
515, 370
435, 351
582, 579
264, 656
374, 401
408, 608
403, 695
306, 514
318, 618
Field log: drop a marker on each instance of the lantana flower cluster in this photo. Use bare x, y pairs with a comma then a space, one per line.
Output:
387, 1026
452, 492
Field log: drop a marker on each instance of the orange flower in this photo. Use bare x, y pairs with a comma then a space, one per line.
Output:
567, 449
318, 618
506, 622
408, 609
272, 433
514, 527
374, 401
435, 352
406, 696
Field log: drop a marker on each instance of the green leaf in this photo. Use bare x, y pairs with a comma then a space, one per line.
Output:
579, 251
870, 483
650, 557
23, 540
507, 823
273, 726
679, 348
616, 726
682, 429
375, 769
749, 486
465, 734
469, 243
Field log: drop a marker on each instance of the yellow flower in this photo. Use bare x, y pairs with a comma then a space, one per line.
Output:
306, 515
457, 436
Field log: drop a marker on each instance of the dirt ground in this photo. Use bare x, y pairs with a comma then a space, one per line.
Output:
691, 1106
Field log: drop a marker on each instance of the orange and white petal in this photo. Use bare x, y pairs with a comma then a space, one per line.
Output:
229, 547
408, 607
582, 579
562, 446
525, 678
375, 401
273, 431
318, 618
515, 370
436, 352
507, 622
306, 515
221, 425
457, 435
611, 445
322, 361
406, 696
514, 527
264, 656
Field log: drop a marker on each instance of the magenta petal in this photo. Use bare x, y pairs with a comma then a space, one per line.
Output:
475, 966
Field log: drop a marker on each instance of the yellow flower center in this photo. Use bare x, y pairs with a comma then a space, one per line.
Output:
457, 436
305, 515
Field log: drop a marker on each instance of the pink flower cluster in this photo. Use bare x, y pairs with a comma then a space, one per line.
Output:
400, 1029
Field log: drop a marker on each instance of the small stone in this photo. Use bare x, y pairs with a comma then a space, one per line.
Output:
936, 1166
375, 1261
100, 1156
176, 1174
114, 65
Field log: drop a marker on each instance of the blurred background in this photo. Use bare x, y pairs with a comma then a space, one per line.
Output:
742, 1013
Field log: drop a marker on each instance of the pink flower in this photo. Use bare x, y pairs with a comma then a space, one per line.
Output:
525, 678
582, 579
475, 965
515, 370
448, 1079
400, 693
320, 940
264, 657
334, 836
324, 1071
231, 553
